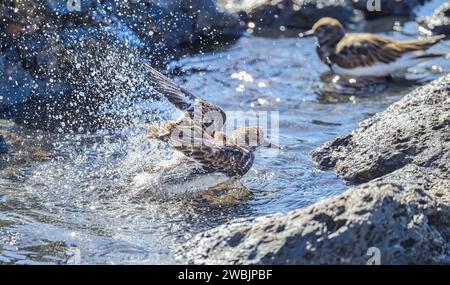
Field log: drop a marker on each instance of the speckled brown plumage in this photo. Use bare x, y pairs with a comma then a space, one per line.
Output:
203, 142
367, 49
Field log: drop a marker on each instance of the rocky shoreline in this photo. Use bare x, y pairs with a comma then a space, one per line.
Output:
400, 158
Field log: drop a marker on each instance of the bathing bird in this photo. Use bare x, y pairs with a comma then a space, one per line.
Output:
197, 133
367, 55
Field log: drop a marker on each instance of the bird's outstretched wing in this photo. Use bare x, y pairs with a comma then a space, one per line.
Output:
212, 155
361, 50
185, 101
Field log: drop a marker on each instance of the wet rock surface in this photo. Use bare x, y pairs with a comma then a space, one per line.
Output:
439, 22
176, 27
415, 130
398, 8
53, 56
403, 211
160, 24
408, 223
91, 70
289, 14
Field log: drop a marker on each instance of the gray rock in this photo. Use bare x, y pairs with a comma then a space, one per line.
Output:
414, 130
405, 215
291, 14
439, 22
397, 8
403, 212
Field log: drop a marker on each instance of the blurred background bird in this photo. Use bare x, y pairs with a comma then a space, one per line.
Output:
367, 55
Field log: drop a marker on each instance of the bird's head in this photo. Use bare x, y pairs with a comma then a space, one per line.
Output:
251, 137
327, 31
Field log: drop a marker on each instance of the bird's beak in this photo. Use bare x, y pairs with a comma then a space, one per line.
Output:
307, 34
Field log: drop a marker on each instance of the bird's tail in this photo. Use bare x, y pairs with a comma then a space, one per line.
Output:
420, 44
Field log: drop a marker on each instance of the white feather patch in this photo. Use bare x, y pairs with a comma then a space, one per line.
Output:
382, 69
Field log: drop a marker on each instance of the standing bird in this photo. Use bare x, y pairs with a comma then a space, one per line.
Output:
197, 133
367, 54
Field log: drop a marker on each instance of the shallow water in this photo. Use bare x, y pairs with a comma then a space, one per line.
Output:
66, 198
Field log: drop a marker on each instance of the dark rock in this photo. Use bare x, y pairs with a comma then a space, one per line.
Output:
414, 130
397, 8
403, 213
214, 27
21, 18
94, 67
49, 61
175, 27
66, 62
407, 223
439, 22
290, 14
